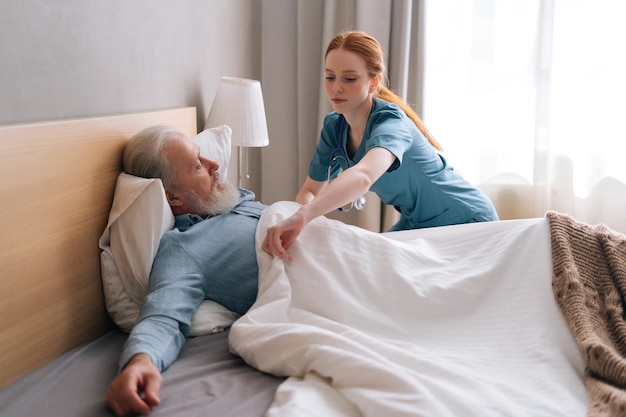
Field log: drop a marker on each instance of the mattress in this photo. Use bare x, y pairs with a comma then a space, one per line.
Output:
207, 380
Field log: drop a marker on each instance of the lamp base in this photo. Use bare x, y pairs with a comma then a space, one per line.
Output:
243, 161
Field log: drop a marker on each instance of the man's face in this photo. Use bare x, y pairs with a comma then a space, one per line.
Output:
197, 186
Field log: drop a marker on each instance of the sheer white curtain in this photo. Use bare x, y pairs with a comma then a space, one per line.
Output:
528, 97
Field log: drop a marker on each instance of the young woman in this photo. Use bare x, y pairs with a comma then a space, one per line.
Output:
378, 143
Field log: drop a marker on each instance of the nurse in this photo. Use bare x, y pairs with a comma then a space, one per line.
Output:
377, 143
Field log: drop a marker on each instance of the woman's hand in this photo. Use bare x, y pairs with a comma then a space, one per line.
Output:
280, 236
319, 198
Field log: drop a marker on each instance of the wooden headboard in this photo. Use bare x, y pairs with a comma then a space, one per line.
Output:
56, 187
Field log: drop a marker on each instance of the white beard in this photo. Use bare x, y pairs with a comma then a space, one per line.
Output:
220, 201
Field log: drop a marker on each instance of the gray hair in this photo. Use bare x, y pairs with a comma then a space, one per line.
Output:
144, 153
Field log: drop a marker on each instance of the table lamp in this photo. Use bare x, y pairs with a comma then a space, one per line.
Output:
239, 104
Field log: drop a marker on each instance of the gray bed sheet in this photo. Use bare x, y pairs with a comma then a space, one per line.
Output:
206, 380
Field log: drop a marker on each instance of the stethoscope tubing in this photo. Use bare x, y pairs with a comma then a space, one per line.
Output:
359, 203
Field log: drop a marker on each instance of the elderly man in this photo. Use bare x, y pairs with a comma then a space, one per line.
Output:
210, 254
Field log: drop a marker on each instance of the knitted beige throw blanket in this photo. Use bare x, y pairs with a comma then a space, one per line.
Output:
589, 283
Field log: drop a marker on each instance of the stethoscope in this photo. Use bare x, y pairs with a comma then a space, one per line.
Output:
340, 153
337, 153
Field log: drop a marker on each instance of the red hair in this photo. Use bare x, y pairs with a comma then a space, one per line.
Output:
370, 50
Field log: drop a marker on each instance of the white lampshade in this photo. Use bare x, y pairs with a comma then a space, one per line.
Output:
239, 104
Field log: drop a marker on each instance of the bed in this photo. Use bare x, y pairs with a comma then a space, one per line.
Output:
517, 317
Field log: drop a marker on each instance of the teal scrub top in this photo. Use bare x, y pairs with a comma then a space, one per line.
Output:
420, 184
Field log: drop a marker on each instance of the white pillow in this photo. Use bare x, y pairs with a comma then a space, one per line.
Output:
215, 145
139, 217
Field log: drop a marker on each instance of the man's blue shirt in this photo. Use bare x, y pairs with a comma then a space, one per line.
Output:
200, 259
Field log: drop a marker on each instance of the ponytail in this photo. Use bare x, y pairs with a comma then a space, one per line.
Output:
388, 95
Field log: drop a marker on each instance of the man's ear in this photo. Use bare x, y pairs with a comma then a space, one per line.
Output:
172, 198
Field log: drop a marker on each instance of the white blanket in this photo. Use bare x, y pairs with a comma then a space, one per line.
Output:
452, 321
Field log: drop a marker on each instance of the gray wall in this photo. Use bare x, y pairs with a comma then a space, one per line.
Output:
76, 58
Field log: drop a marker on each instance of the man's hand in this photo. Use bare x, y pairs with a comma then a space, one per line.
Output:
136, 389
